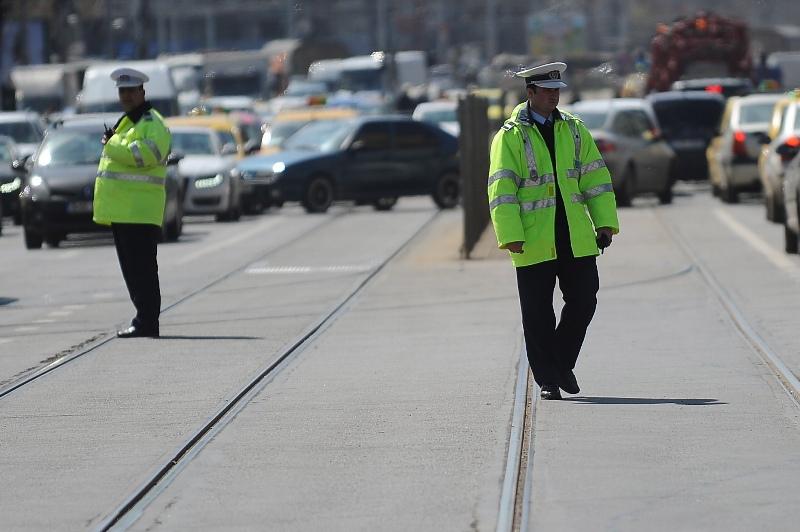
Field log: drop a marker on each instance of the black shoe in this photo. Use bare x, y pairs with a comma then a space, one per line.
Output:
550, 391
138, 332
568, 382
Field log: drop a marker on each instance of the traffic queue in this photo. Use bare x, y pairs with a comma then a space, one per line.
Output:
326, 138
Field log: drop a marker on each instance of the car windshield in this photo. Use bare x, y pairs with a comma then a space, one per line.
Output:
5, 153
70, 148
325, 136
280, 131
305, 88
592, 119
756, 113
192, 143
21, 132
688, 119
440, 115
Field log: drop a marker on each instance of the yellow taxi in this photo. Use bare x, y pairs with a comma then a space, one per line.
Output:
230, 130
285, 123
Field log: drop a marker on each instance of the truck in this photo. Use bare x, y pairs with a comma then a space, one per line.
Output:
704, 45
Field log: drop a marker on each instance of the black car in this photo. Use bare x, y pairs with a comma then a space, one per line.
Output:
689, 120
372, 159
58, 190
11, 175
727, 87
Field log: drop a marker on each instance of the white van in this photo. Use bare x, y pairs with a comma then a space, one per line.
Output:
99, 92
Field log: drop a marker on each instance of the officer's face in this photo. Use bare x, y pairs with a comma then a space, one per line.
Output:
131, 97
543, 100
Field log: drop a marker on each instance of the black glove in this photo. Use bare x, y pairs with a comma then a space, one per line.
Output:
603, 241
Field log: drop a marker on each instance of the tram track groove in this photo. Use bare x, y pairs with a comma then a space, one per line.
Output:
71, 354
128, 512
785, 376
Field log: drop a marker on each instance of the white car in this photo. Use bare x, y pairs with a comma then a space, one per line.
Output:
207, 167
732, 166
784, 133
443, 113
26, 128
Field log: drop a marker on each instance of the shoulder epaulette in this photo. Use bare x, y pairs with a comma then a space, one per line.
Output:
508, 126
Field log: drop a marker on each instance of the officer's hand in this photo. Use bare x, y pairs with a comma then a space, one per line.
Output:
604, 237
513, 247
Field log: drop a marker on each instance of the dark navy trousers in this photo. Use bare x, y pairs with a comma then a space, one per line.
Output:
136, 249
552, 348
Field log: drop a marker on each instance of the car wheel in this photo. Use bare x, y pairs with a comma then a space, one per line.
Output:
53, 240
385, 204
790, 239
319, 195
173, 228
448, 191
715, 191
625, 193
729, 195
33, 240
665, 196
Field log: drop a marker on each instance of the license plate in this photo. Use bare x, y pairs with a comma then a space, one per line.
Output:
79, 207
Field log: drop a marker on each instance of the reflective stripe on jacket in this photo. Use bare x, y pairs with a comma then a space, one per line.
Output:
522, 187
131, 176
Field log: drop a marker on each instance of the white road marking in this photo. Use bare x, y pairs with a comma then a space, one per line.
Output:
5, 340
43, 321
260, 228
74, 307
26, 329
353, 268
778, 258
59, 313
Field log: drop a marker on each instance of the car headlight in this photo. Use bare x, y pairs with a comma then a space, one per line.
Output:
209, 182
278, 167
36, 189
9, 188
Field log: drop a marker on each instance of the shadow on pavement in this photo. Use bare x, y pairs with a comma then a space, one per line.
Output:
182, 337
642, 401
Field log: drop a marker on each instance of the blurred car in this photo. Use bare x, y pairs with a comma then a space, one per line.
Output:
367, 159
211, 187
11, 175
782, 140
58, 191
300, 93
727, 87
233, 138
25, 127
627, 134
286, 123
441, 113
791, 202
688, 120
227, 104
732, 167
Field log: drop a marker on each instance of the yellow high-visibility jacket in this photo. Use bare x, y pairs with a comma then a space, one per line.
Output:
522, 191
130, 178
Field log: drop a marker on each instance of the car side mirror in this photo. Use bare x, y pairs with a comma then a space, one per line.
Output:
358, 145
174, 158
229, 149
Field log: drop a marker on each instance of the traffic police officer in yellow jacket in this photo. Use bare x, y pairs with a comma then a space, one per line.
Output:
129, 195
553, 207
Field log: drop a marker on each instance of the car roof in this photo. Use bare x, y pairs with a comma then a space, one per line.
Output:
607, 103
87, 120
217, 121
17, 116
314, 113
191, 129
440, 104
668, 96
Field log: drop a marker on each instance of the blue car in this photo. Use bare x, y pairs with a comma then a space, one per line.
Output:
369, 160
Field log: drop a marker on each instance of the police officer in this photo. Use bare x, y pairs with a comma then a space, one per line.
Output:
129, 195
553, 207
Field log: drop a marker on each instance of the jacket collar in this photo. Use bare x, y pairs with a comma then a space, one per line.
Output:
136, 114
522, 114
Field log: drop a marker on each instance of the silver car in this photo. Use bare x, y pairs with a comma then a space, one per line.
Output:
732, 166
783, 137
628, 136
212, 187
791, 200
